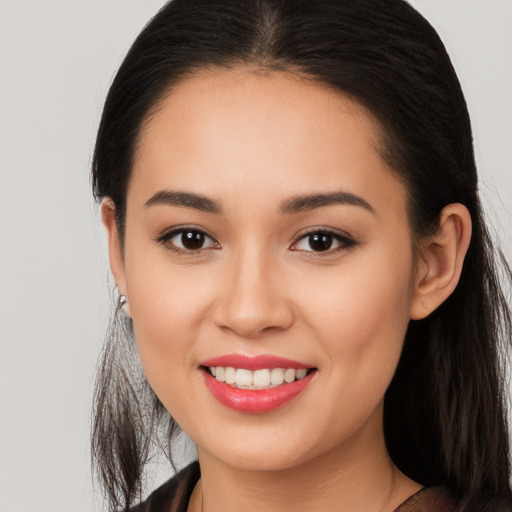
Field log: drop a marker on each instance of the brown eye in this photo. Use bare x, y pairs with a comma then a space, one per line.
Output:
188, 240
192, 240
320, 241
323, 241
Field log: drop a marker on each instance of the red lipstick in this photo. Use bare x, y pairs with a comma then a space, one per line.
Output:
254, 400
253, 362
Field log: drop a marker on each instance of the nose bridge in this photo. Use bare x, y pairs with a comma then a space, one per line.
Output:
253, 298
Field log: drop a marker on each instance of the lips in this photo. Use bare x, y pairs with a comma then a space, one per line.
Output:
253, 362
255, 384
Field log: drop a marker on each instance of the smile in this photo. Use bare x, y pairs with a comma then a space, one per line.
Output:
265, 378
255, 384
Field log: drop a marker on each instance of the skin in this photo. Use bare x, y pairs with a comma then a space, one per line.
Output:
250, 142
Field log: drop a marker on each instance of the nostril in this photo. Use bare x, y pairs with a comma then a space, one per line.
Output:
252, 317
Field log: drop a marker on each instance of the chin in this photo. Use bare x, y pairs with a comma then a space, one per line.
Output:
265, 451
259, 460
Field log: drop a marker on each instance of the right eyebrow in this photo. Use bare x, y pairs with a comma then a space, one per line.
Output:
313, 201
184, 199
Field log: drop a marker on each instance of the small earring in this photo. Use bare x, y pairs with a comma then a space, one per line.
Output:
125, 307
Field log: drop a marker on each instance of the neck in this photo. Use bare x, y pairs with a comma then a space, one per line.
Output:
351, 476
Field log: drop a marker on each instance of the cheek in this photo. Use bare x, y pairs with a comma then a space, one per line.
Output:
360, 320
361, 313
168, 303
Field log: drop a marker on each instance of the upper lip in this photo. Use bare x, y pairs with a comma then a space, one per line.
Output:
258, 362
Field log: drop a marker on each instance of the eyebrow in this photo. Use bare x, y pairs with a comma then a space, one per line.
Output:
313, 201
294, 205
184, 199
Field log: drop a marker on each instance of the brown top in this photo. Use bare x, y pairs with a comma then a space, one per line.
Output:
430, 499
175, 494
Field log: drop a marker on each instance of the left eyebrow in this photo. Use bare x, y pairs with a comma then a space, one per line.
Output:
185, 200
313, 201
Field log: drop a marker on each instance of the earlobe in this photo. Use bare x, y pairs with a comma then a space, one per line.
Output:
440, 260
115, 251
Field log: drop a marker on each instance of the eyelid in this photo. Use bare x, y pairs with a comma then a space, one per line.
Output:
168, 234
345, 240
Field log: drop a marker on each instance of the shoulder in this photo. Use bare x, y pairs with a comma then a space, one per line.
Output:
174, 495
431, 499
442, 499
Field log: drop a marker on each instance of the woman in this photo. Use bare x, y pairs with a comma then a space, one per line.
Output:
290, 198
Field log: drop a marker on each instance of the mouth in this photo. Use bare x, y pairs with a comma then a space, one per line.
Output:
265, 378
255, 384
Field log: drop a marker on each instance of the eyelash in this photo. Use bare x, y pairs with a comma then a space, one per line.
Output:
345, 242
166, 237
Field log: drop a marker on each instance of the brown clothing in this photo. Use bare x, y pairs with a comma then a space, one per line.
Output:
175, 494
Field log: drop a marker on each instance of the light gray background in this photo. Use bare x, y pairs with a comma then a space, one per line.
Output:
57, 58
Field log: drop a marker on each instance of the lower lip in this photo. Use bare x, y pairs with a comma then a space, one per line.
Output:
255, 400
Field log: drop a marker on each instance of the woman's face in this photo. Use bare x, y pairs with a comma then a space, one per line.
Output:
263, 224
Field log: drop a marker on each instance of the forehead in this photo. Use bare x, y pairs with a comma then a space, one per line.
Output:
273, 133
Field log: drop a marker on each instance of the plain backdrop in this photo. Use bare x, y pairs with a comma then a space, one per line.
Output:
57, 59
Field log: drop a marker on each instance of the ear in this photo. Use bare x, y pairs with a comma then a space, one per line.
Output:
115, 251
439, 261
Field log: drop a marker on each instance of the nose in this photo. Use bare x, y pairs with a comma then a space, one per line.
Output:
252, 297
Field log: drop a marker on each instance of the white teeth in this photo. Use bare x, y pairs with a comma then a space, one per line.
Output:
289, 375
300, 374
258, 379
220, 374
243, 377
261, 378
276, 376
230, 375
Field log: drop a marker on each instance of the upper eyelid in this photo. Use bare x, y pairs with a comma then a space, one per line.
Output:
336, 233
165, 240
346, 240
318, 229
170, 232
